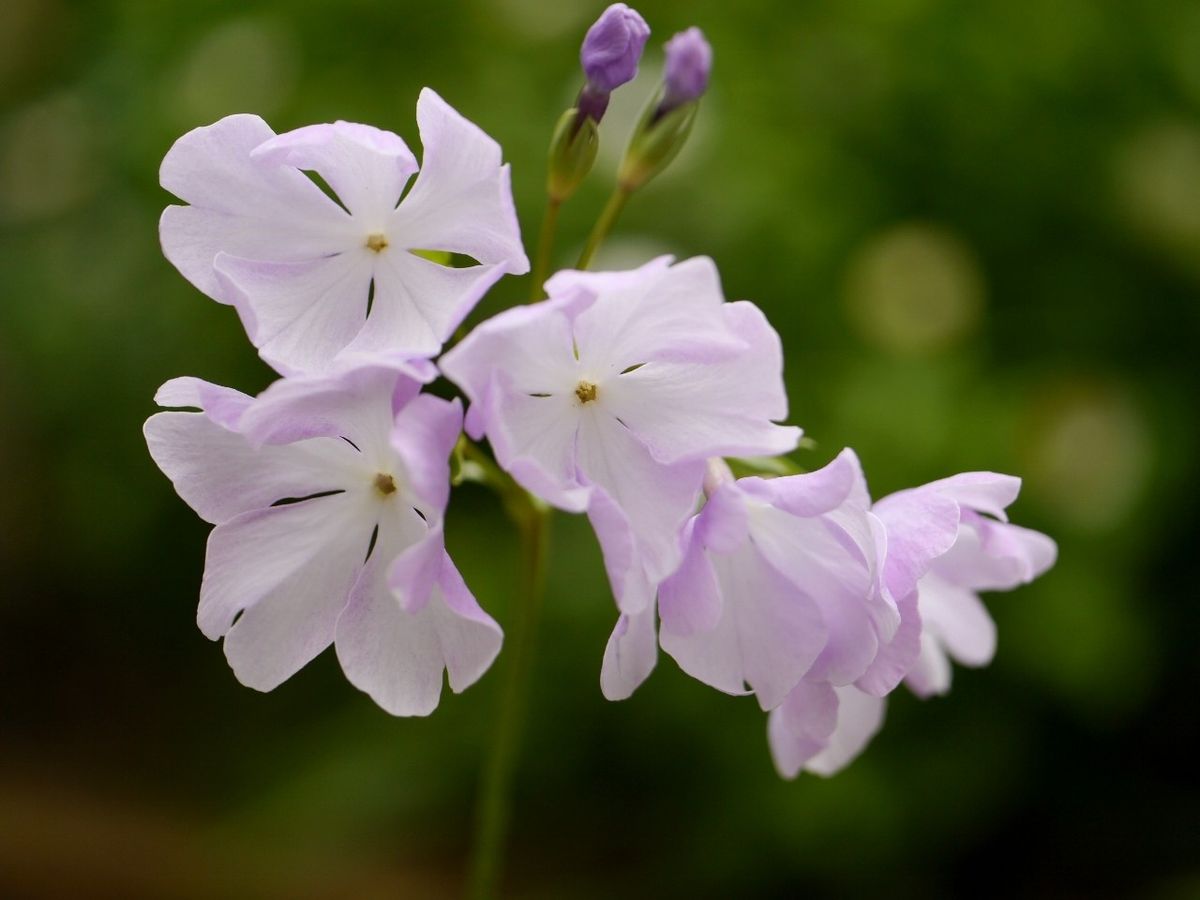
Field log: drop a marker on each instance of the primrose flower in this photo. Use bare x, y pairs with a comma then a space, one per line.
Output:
778, 585
945, 541
327, 494
313, 276
608, 398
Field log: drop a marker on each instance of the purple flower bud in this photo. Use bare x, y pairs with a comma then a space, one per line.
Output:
689, 63
612, 48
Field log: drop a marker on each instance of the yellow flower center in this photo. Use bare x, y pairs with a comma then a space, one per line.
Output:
585, 391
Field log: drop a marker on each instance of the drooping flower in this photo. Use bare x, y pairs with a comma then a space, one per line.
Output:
944, 542
779, 585
312, 276
328, 494
608, 398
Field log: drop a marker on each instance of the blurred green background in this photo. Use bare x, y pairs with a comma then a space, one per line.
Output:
977, 227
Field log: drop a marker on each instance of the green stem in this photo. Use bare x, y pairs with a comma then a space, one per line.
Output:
608, 218
532, 519
541, 262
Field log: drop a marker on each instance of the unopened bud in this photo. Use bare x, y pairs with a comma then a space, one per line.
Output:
688, 66
613, 47
667, 121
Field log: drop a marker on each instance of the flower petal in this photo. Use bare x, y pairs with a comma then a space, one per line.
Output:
816, 559
859, 718
768, 635
366, 166
921, 525
957, 618
630, 654
297, 562
417, 304
298, 314
897, 656
656, 313
995, 556
811, 493
694, 410
656, 500
462, 200
220, 475
690, 600
932, 672
345, 404
241, 206
424, 435
398, 656
985, 492
221, 404
800, 727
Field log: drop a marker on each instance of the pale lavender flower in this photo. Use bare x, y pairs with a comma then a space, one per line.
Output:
613, 47
779, 585
944, 542
327, 494
313, 277
687, 69
608, 398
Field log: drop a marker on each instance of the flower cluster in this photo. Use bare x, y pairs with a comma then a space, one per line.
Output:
620, 396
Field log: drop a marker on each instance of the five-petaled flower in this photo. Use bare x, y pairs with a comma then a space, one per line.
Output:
314, 276
327, 494
609, 397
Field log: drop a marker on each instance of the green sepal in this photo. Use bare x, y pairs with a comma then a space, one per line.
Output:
656, 141
572, 154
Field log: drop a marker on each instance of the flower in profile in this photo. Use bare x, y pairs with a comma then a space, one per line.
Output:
608, 398
687, 69
327, 494
944, 543
779, 585
314, 276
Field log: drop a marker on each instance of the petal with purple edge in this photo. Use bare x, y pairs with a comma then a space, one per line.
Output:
423, 436
921, 525
398, 656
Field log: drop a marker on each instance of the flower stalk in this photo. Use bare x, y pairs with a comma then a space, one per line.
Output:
604, 225
532, 520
